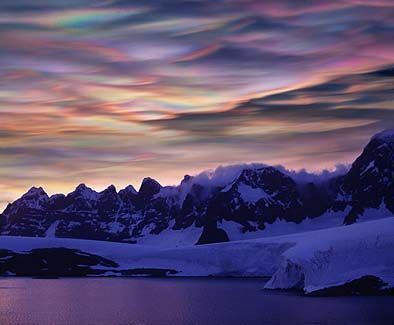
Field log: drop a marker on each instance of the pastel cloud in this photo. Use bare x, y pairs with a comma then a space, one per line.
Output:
111, 91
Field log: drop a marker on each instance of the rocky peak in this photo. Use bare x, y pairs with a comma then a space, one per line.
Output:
109, 194
269, 178
186, 179
36, 198
370, 181
149, 187
85, 192
110, 190
81, 188
83, 198
385, 136
108, 201
35, 193
129, 189
129, 196
375, 162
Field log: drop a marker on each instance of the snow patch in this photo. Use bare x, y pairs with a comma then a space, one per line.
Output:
170, 238
116, 227
374, 214
51, 231
250, 194
370, 165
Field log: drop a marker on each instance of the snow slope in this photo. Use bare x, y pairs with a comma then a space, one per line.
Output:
307, 261
170, 238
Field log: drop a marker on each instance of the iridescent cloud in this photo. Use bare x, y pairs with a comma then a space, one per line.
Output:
111, 91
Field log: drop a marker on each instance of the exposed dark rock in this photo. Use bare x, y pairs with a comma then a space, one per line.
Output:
316, 199
53, 262
366, 286
212, 234
65, 262
149, 187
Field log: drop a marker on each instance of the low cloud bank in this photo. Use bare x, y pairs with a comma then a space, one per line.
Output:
224, 175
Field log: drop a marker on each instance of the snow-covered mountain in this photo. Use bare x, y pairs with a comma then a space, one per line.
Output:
258, 195
198, 210
369, 184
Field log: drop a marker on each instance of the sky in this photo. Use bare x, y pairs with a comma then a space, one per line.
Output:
108, 92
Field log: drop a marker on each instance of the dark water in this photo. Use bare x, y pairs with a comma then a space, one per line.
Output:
177, 301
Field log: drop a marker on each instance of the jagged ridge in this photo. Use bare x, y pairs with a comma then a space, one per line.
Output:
255, 197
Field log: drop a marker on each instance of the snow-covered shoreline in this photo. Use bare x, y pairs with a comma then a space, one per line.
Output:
336, 256
308, 261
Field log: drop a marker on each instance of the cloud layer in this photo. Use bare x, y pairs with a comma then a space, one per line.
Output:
111, 91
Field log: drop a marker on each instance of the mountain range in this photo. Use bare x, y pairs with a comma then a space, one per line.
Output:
255, 197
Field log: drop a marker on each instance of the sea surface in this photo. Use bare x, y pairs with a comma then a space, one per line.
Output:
177, 301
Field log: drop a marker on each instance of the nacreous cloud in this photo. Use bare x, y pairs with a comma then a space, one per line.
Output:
111, 91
